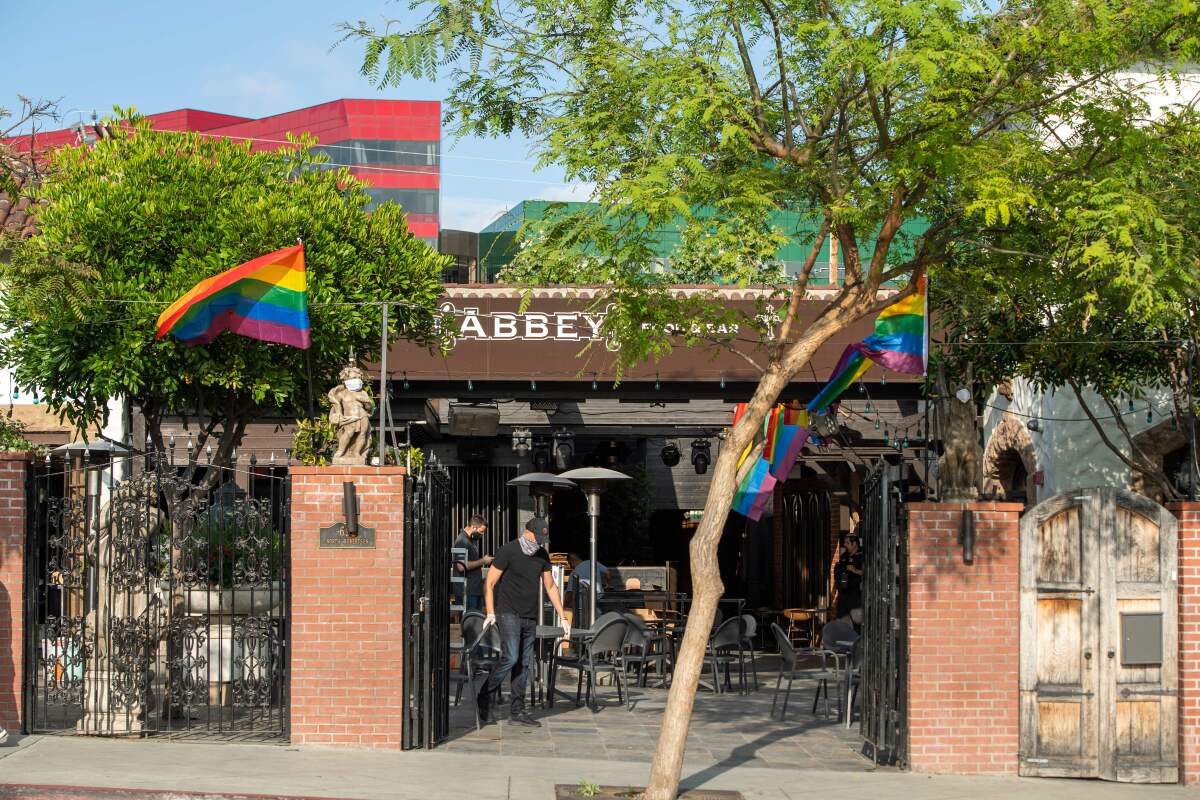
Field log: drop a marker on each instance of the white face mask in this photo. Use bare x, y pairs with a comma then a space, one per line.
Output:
354, 384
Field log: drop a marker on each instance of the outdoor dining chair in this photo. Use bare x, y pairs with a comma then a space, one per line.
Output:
481, 654
790, 657
751, 630
602, 651
646, 648
854, 677
721, 647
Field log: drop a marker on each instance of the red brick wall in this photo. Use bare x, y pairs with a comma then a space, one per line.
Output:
13, 467
963, 640
1189, 640
347, 608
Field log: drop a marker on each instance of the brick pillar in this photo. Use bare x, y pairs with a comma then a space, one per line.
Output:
13, 469
347, 611
1188, 515
963, 640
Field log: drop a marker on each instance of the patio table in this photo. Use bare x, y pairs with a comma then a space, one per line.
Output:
543, 634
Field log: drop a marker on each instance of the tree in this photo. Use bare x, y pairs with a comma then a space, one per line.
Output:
883, 124
129, 225
17, 166
1094, 288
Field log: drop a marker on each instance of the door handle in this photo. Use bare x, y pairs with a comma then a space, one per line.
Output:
1112, 653
1087, 655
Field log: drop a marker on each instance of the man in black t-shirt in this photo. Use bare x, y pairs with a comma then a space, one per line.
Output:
511, 596
473, 567
849, 574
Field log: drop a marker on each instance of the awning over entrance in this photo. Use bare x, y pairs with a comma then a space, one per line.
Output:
557, 340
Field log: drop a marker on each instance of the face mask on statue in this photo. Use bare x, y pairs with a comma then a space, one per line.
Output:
354, 384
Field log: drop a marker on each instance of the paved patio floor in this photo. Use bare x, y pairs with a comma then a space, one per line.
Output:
730, 729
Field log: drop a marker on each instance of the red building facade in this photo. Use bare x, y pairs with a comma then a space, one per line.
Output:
393, 145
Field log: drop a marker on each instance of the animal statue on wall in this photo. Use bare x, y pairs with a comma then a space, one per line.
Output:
960, 465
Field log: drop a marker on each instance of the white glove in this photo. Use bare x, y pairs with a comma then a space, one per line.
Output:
489, 621
566, 630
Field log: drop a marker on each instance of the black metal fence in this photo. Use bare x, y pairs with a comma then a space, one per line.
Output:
884, 668
428, 535
157, 599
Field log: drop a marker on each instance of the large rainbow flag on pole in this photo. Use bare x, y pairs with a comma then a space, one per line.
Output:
900, 343
265, 299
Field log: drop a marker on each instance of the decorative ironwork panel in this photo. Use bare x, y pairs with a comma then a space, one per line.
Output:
428, 534
883, 667
158, 603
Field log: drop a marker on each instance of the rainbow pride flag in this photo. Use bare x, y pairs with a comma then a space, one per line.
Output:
900, 343
785, 430
265, 299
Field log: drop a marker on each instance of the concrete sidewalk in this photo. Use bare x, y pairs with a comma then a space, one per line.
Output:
250, 769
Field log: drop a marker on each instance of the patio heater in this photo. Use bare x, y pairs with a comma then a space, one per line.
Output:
593, 481
541, 486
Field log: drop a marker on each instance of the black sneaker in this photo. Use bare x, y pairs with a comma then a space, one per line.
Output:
523, 718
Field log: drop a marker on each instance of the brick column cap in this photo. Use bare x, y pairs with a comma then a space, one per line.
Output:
17, 455
1184, 505
353, 469
985, 505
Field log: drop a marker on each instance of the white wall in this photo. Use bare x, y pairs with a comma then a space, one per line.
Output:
1069, 452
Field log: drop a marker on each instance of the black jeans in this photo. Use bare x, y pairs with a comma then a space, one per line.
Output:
517, 636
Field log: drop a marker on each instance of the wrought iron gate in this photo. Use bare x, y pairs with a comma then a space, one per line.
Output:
157, 603
884, 669
427, 538
484, 490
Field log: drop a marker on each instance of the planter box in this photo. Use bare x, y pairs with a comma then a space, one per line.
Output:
258, 602
565, 791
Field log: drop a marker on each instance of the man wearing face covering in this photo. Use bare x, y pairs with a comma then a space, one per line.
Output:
511, 600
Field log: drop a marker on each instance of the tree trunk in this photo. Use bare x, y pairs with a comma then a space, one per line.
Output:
707, 590
706, 574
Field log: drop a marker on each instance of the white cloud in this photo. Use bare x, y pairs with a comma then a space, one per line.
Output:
250, 92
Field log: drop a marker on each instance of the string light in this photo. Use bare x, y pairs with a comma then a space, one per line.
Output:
657, 384
722, 380
407, 385
532, 385
1149, 414
594, 387
470, 385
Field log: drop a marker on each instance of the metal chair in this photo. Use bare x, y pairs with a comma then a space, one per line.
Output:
481, 652
751, 630
646, 648
854, 677
790, 657
727, 637
602, 651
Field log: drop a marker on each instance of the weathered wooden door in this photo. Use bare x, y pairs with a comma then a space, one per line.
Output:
1098, 638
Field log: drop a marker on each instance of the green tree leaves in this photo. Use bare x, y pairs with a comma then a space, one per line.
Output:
129, 225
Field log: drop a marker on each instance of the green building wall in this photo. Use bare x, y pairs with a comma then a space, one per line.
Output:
498, 241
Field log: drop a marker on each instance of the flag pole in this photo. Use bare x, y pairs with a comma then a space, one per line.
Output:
383, 397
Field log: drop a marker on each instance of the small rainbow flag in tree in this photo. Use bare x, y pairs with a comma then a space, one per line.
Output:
785, 431
265, 299
900, 343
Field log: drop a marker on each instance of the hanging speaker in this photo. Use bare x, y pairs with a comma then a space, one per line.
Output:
471, 419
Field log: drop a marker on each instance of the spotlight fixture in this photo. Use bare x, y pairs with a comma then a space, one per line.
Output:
1033, 425
670, 454
701, 455
564, 450
541, 455
522, 441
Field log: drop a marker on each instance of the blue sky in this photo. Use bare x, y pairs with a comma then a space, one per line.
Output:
253, 57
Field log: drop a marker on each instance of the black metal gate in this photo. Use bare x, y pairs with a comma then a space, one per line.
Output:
428, 535
884, 669
157, 603
484, 490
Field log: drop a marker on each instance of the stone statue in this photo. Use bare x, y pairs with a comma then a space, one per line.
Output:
350, 412
959, 467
